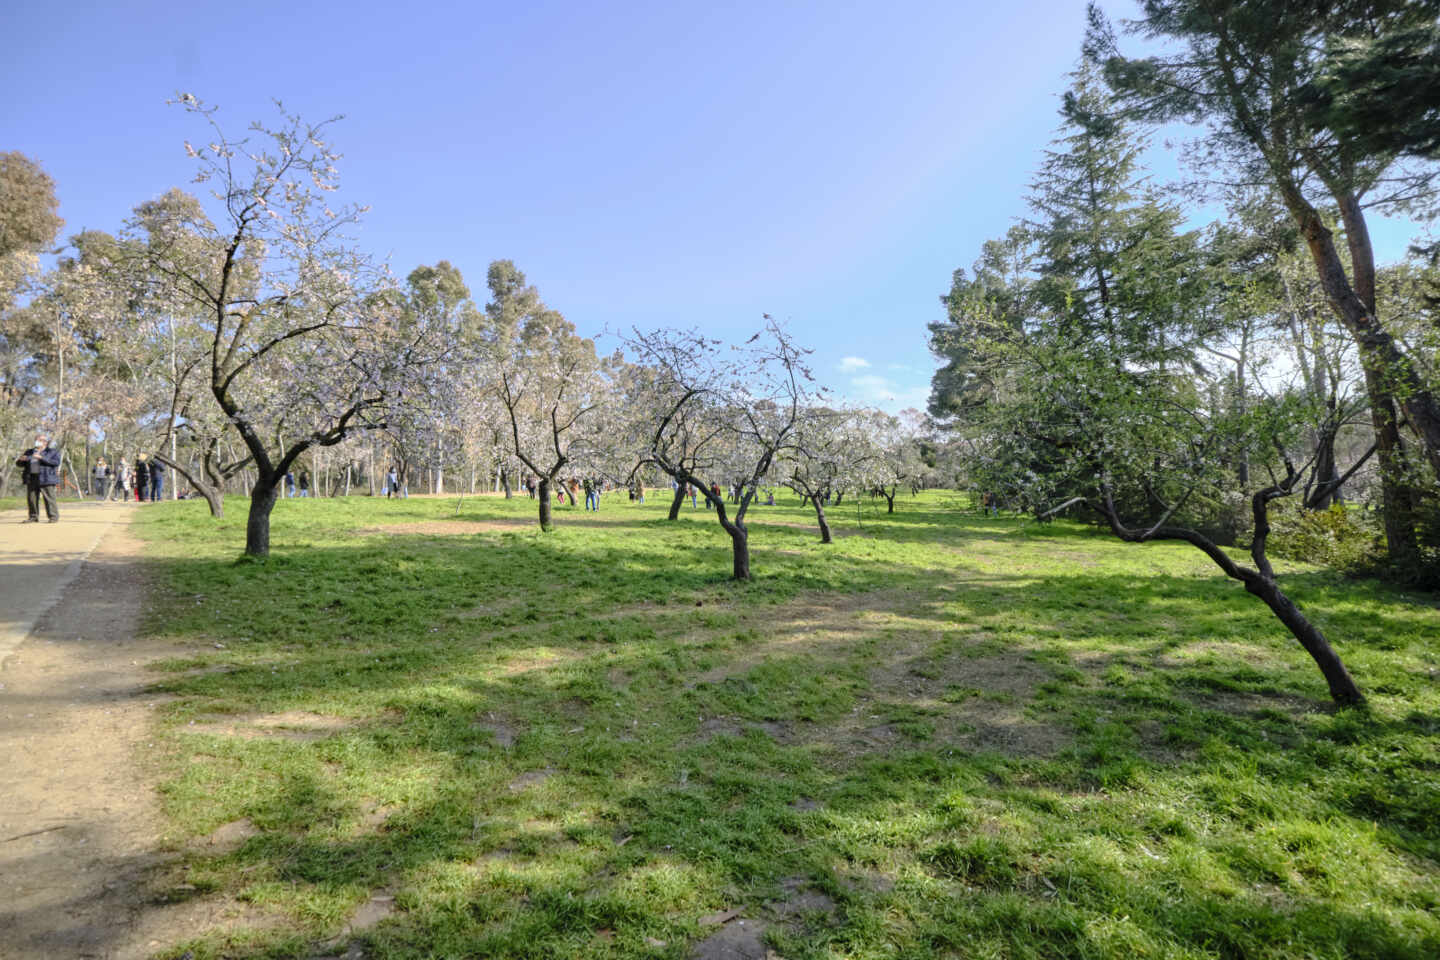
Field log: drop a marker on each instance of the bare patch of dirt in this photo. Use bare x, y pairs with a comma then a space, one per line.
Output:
290, 725
800, 900
503, 733
369, 914
775, 730
228, 837
1243, 704
713, 727
910, 674
868, 880
836, 532
88, 870
530, 778
738, 939
449, 528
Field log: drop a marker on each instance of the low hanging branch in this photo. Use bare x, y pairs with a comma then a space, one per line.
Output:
1259, 581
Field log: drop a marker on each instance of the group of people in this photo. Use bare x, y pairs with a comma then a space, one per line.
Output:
40, 467
592, 486
302, 481
145, 480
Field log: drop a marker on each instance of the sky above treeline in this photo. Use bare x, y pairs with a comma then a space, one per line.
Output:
645, 164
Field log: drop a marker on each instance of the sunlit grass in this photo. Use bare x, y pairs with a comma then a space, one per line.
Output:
942, 735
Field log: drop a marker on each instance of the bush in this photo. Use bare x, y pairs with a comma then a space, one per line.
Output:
1346, 538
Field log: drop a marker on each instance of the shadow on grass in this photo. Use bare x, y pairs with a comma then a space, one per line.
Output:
674, 745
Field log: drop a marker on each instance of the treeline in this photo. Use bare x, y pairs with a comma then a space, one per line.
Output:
245, 338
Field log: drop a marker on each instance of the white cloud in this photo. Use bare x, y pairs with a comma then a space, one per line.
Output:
851, 364
873, 390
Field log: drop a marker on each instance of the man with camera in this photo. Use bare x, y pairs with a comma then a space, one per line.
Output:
41, 465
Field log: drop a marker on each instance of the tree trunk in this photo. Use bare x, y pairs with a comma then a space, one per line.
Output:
1342, 688
213, 496
820, 519
675, 504
1398, 505
257, 524
505, 483
1259, 582
740, 545
890, 501
1355, 306
1326, 472
545, 523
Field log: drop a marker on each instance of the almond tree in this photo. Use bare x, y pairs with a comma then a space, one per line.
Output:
724, 415
304, 348
832, 450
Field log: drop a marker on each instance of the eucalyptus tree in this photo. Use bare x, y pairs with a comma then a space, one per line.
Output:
546, 380
305, 344
723, 415
1249, 72
435, 307
29, 223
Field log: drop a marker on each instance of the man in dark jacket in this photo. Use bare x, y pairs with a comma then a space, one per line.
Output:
41, 464
157, 480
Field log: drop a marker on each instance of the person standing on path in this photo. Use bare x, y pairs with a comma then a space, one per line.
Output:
101, 484
41, 464
142, 477
122, 481
157, 481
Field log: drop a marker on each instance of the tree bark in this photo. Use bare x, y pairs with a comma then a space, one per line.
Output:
213, 497
1259, 582
820, 519
257, 524
675, 504
1342, 687
545, 522
1398, 504
740, 547
1355, 307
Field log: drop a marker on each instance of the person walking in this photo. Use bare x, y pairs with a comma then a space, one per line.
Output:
392, 484
142, 476
304, 483
101, 483
41, 466
590, 495
122, 481
157, 481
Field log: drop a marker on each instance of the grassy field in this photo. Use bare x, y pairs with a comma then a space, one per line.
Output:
423, 731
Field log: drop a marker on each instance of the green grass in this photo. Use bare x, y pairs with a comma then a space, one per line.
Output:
940, 736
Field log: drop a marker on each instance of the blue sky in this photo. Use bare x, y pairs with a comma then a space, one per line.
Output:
648, 164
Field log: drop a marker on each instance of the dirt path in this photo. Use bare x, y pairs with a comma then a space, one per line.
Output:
79, 826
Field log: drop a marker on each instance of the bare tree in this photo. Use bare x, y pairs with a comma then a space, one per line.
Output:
724, 417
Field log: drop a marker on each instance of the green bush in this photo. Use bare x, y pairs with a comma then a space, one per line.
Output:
1346, 538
